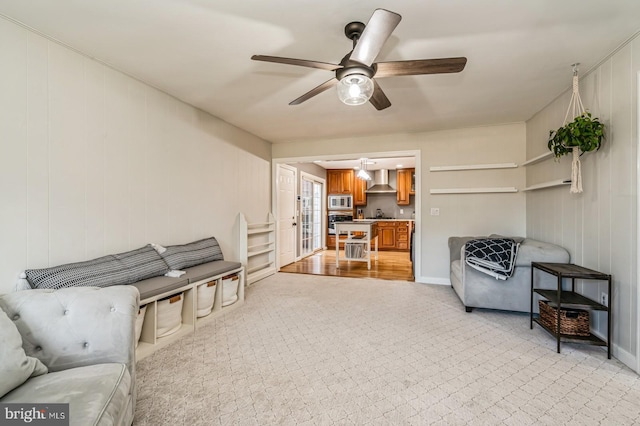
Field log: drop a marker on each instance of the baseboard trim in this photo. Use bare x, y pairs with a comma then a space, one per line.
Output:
624, 357
627, 358
433, 280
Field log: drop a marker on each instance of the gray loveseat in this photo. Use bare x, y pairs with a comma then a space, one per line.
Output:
478, 290
74, 345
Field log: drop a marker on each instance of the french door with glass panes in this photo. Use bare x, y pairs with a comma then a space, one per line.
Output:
310, 215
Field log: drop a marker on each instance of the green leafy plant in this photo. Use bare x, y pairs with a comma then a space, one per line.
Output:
584, 132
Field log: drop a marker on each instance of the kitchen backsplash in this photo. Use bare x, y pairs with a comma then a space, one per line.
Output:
388, 204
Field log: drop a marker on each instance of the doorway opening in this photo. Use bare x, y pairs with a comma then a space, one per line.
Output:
400, 245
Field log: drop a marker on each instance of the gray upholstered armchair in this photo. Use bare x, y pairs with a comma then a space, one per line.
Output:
478, 290
74, 345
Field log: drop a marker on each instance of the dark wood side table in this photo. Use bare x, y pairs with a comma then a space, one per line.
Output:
570, 299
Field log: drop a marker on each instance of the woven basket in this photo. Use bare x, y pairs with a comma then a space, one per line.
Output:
573, 322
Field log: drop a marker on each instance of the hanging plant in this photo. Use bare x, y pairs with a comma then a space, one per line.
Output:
583, 134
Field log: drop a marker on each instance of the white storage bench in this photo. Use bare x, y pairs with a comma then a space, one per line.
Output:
155, 289
168, 305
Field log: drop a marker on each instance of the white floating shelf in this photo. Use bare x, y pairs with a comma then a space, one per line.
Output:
538, 159
473, 167
550, 184
473, 190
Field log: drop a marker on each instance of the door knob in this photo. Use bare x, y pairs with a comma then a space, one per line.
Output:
294, 224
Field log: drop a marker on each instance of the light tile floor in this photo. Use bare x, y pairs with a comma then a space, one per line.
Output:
317, 350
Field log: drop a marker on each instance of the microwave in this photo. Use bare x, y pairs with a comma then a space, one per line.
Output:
340, 202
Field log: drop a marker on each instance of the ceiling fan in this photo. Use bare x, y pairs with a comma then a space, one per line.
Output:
355, 73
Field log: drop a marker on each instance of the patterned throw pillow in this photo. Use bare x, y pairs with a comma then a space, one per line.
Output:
101, 272
117, 269
142, 263
195, 253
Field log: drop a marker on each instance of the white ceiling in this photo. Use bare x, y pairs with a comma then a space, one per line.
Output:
519, 56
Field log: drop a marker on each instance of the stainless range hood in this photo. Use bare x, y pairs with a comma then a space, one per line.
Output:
381, 183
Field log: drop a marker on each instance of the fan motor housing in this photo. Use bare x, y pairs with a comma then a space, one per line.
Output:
354, 68
353, 30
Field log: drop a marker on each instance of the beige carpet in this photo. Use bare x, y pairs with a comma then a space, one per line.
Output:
317, 350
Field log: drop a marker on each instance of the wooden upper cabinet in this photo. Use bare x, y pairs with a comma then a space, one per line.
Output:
347, 181
334, 182
405, 185
340, 181
359, 192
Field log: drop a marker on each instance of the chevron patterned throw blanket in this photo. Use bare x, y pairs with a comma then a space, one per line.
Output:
493, 256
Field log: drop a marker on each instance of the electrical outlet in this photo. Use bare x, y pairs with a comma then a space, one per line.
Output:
604, 299
401, 211
435, 211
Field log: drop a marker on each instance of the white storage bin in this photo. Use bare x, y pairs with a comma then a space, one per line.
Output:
169, 312
230, 289
139, 321
206, 297
355, 250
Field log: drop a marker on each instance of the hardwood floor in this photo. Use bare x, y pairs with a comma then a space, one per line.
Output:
391, 265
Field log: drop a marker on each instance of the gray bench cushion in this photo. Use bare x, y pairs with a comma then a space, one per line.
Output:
200, 272
158, 285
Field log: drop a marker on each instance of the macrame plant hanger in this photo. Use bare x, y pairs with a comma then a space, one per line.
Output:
577, 109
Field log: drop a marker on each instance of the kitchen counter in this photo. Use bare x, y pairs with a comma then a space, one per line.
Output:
393, 232
384, 220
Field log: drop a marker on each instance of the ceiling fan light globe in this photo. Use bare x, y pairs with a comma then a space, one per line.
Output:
355, 89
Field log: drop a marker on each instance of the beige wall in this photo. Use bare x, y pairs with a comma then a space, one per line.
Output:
599, 226
95, 162
460, 214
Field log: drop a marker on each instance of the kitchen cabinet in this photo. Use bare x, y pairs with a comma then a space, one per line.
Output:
402, 235
387, 238
387, 235
393, 235
331, 241
340, 181
359, 192
405, 182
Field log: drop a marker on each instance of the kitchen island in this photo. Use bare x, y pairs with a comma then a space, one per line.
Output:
393, 233
357, 245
